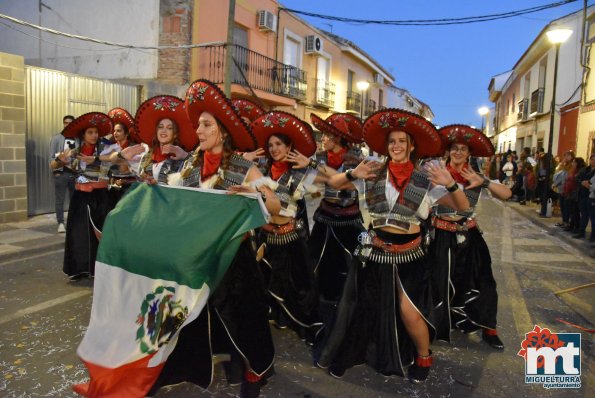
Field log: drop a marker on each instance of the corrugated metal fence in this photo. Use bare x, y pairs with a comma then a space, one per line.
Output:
50, 95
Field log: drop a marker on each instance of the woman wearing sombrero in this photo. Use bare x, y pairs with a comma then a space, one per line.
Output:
338, 220
90, 202
463, 284
167, 136
384, 315
237, 311
124, 135
288, 142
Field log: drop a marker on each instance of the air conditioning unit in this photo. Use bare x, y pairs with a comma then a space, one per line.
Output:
313, 45
378, 78
267, 21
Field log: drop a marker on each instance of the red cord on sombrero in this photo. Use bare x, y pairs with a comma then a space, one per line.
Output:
576, 326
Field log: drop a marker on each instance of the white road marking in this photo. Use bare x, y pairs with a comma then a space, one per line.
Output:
44, 306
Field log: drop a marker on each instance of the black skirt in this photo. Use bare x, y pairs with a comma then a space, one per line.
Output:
86, 210
290, 281
463, 284
331, 244
368, 327
234, 321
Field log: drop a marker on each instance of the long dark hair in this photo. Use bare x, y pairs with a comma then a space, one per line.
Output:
124, 128
176, 129
284, 138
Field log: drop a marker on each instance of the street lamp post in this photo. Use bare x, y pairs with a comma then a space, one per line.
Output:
483, 111
556, 37
362, 87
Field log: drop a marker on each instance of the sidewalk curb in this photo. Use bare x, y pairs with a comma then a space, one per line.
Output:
555, 231
29, 251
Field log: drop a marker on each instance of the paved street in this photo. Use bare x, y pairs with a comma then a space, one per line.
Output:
43, 318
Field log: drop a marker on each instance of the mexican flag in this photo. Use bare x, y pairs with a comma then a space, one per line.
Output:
163, 251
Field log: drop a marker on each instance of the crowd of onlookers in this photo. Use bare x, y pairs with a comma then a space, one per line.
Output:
572, 189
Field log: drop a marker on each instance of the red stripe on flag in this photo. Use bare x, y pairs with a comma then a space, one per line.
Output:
132, 380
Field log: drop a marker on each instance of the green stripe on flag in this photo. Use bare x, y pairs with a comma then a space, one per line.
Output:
175, 234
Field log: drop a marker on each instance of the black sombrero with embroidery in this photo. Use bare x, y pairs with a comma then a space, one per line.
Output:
342, 125
83, 122
205, 96
161, 107
274, 122
479, 145
380, 124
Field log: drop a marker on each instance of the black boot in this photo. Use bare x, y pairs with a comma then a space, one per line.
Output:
418, 372
490, 336
250, 390
336, 371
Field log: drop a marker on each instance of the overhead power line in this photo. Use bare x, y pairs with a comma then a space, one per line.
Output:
411, 22
98, 41
435, 22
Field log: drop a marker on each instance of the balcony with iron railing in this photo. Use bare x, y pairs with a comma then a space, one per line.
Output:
354, 101
523, 108
325, 93
536, 102
251, 69
370, 107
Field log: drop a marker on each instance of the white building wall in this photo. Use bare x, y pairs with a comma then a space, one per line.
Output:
133, 22
569, 78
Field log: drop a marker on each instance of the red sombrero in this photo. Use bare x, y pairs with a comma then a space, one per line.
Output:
121, 115
83, 122
479, 145
247, 108
273, 122
204, 96
164, 106
342, 125
379, 124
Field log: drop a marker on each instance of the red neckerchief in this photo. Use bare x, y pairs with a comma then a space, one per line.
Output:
400, 174
124, 144
278, 168
210, 165
335, 159
88, 150
159, 157
457, 175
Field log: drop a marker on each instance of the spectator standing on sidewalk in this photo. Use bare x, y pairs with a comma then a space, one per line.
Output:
571, 195
509, 170
529, 183
526, 156
584, 203
494, 167
558, 186
63, 175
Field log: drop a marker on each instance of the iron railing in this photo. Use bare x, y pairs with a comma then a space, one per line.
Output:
523, 107
325, 93
370, 107
252, 69
536, 101
354, 101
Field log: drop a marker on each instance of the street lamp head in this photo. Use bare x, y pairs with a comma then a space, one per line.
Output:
362, 86
557, 36
484, 110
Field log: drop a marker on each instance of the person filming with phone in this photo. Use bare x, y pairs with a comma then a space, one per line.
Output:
61, 149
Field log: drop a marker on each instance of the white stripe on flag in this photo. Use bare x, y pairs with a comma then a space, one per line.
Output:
111, 340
